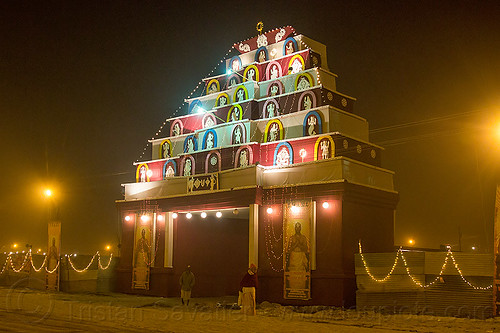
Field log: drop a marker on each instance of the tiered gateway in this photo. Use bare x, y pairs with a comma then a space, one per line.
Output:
269, 166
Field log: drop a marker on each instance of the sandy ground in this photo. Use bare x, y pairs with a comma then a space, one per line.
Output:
25, 310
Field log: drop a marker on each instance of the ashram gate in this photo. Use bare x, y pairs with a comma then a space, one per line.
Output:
271, 166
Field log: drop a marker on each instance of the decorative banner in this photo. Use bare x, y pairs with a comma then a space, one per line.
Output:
496, 255
297, 231
203, 183
53, 256
142, 260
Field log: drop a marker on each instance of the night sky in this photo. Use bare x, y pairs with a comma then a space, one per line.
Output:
84, 84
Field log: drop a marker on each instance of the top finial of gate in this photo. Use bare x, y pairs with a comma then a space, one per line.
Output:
260, 27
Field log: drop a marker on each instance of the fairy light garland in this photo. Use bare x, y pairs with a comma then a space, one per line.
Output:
28, 258
99, 261
55, 268
41, 266
81, 270
399, 254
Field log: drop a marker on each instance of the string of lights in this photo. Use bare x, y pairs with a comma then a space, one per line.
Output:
399, 255
180, 107
28, 258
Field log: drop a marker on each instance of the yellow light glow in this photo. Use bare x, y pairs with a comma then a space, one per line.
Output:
14, 245
497, 131
47, 192
108, 247
411, 242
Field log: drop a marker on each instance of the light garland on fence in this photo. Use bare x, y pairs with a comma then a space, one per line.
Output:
43, 264
399, 254
81, 270
9, 262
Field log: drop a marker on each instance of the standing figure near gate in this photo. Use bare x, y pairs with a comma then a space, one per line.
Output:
187, 282
247, 291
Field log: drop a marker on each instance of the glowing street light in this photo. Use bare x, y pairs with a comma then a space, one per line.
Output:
108, 247
411, 242
48, 192
14, 245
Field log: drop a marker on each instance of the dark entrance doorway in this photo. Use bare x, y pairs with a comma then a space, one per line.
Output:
216, 248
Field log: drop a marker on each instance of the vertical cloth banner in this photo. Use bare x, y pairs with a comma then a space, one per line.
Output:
496, 255
53, 256
142, 260
297, 231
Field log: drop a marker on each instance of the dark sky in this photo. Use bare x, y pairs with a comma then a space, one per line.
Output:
84, 84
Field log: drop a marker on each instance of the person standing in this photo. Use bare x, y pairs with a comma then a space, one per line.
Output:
247, 291
186, 282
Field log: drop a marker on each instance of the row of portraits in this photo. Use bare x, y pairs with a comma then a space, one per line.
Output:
274, 131
324, 148
187, 166
272, 71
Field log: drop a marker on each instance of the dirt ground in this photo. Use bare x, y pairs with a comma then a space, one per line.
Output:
25, 310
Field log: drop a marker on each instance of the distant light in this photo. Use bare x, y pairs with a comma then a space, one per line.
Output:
189, 215
47, 192
14, 245
203, 215
218, 214
127, 218
411, 242
160, 218
473, 248
74, 255
22, 251
295, 209
144, 218
108, 247
174, 215
269, 210
326, 205
39, 250
149, 173
44, 253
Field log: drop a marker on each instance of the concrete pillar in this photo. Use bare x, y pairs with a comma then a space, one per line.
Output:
169, 240
253, 235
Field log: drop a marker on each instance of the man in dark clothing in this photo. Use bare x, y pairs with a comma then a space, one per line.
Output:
187, 282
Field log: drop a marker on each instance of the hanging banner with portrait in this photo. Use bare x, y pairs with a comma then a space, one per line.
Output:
297, 232
143, 254
53, 256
